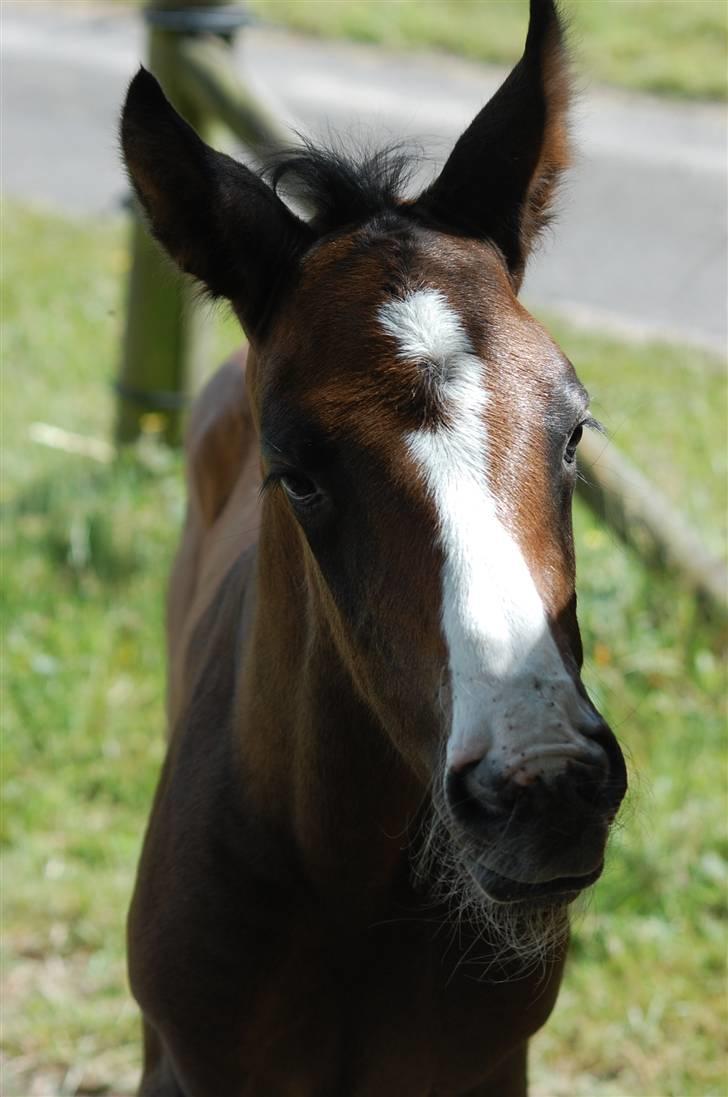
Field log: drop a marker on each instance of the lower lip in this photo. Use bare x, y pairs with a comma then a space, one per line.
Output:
501, 889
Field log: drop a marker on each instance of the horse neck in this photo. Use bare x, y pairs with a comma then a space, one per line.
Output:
316, 761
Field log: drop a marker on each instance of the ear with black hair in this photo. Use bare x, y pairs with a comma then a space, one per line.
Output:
216, 219
499, 181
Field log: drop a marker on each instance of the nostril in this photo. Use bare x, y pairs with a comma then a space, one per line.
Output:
577, 783
601, 738
471, 798
587, 764
615, 784
482, 791
585, 783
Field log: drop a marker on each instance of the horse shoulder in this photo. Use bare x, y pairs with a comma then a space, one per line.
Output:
222, 514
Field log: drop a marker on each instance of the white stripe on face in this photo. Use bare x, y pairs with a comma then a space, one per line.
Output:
505, 668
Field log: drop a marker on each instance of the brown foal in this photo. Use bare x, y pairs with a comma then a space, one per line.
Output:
385, 781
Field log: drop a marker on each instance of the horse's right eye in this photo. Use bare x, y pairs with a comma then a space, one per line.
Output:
298, 488
571, 445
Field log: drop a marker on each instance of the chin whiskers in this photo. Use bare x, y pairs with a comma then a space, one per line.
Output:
496, 941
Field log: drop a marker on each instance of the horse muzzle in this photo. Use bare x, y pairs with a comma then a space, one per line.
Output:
535, 828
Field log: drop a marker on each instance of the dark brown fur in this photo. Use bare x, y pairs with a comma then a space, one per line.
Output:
283, 949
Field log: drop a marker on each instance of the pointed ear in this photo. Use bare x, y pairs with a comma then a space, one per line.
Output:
499, 181
215, 218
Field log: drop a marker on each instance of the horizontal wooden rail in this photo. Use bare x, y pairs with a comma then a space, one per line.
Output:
645, 520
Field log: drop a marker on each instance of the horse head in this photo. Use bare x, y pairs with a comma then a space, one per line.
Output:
418, 434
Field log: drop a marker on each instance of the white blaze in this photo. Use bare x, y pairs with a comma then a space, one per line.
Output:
510, 689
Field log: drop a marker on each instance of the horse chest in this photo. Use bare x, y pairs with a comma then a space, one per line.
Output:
293, 1009
388, 1032
402, 1019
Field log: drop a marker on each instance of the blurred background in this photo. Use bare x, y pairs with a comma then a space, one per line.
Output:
631, 281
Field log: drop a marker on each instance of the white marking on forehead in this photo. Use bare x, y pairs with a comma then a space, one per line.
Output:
425, 327
493, 618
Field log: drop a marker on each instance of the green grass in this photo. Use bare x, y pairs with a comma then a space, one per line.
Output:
86, 549
678, 47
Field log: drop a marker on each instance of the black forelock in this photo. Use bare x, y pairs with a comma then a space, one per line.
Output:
338, 188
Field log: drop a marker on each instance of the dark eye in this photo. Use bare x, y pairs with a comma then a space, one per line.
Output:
298, 488
570, 451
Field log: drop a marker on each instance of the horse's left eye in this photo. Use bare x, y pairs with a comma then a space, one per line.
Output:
299, 489
570, 451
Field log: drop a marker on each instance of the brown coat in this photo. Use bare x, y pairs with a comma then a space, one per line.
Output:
251, 988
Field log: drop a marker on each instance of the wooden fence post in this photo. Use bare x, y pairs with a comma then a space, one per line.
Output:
166, 339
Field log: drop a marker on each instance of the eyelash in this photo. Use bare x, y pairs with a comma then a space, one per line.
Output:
269, 482
277, 477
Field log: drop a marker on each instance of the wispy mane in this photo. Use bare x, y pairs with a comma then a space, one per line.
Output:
339, 187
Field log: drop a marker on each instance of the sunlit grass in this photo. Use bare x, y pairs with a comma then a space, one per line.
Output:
678, 47
86, 549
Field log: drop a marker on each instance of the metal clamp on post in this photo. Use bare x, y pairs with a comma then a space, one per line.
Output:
152, 399
225, 20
